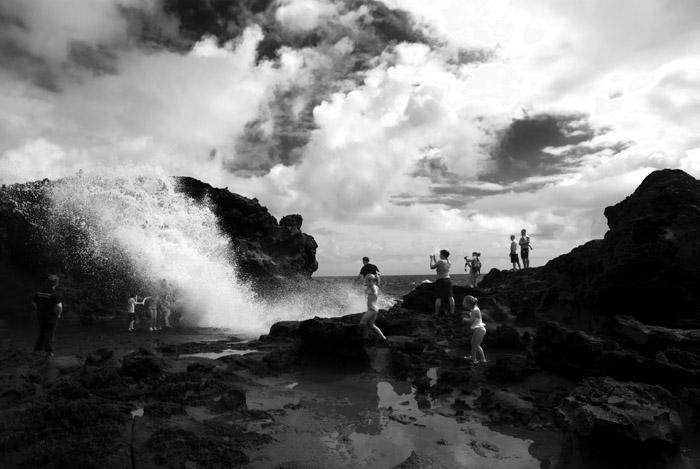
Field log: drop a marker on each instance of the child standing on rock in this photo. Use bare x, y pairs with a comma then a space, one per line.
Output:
372, 291
477, 327
131, 310
474, 265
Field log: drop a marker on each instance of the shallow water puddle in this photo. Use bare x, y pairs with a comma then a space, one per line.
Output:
215, 355
362, 421
405, 428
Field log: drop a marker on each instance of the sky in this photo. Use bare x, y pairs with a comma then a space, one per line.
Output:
395, 128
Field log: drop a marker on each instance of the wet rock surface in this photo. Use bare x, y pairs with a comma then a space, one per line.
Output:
618, 388
612, 423
82, 416
266, 250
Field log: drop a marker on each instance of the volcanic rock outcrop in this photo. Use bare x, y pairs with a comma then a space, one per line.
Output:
33, 241
647, 265
264, 247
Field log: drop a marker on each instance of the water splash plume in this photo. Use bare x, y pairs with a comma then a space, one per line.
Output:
146, 229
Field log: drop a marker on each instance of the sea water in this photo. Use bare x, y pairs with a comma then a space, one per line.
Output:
165, 235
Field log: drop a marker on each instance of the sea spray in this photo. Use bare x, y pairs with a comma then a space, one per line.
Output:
165, 235
147, 230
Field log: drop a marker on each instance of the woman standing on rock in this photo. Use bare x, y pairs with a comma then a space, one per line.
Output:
477, 327
443, 284
372, 290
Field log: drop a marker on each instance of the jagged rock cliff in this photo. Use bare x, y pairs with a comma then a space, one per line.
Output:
264, 247
34, 240
646, 266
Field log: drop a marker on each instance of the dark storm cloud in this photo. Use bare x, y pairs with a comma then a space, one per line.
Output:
260, 148
455, 194
47, 66
434, 168
523, 160
381, 26
376, 30
19, 62
520, 153
98, 59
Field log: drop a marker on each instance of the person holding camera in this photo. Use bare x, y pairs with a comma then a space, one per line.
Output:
443, 284
474, 265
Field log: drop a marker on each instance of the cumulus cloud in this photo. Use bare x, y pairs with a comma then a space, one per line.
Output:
395, 128
303, 15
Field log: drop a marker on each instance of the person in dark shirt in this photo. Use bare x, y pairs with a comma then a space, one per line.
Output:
368, 269
48, 306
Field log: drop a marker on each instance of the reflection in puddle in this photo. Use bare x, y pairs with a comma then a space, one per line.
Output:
432, 375
215, 355
405, 428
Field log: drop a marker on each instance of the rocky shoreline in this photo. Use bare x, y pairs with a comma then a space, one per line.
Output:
594, 361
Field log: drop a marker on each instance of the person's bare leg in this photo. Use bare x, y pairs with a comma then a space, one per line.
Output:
438, 306
376, 329
477, 352
452, 306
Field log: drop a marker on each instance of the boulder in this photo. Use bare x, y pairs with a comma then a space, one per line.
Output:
577, 354
232, 400
631, 365
422, 299
645, 266
505, 406
330, 340
66, 364
653, 338
569, 351
294, 221
416, 461
141, 364
284, 329
620, 424
265, 249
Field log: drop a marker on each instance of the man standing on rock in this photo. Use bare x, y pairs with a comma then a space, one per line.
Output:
525, 248
48, 306
514, 253
368, 269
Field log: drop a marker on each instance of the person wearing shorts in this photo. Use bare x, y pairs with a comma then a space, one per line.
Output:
525, 248
443, 284
474, 265
131, 310
477, 327
372, 291
514, 253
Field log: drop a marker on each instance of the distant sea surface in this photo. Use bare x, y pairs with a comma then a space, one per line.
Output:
396, 286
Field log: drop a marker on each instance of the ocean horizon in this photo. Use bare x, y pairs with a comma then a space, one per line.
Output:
395, 286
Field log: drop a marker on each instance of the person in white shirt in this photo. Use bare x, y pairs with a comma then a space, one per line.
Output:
478, 329
514, 259
131, 310
372, 291
525, 248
